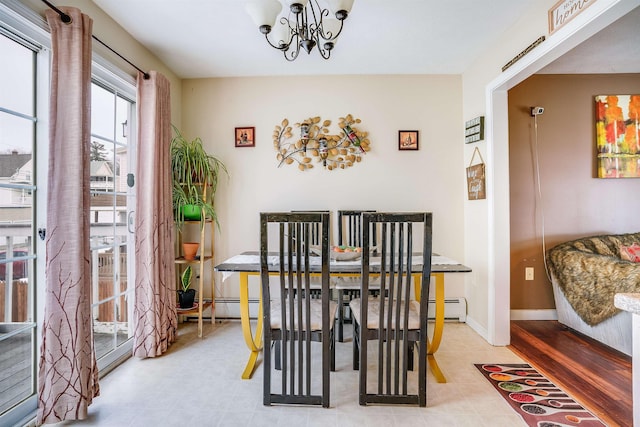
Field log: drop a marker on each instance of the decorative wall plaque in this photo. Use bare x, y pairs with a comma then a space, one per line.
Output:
476, 178
564, 11
474, 130
313, 143
521, 55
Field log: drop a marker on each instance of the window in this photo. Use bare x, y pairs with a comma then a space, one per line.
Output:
110, 237
23, 98
17, 218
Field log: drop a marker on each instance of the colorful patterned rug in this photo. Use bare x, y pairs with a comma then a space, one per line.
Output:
536, 399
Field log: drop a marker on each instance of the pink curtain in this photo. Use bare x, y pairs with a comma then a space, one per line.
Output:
68, 373
155, 289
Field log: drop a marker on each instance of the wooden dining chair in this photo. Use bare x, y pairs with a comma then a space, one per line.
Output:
315, 235
314, 240
292, 318
350, 234
394, 319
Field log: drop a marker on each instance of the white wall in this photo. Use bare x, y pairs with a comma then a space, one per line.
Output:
430, 179
480, 252
484, 93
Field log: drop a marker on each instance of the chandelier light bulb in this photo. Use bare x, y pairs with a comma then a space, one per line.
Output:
340, 7
263, 12
302, 3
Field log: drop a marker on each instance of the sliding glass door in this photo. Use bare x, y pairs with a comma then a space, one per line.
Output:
24, 92
18, 161
111, 209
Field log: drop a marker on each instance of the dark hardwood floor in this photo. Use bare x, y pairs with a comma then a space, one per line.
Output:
595, 375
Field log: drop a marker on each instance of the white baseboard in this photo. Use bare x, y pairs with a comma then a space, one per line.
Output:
545, 314
480, 330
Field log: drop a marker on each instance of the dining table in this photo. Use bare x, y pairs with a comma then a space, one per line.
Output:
248, 264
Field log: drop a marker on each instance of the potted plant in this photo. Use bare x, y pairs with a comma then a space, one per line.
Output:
195, 179
186, 295
190, 249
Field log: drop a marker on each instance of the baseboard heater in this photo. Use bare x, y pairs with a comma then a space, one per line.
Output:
455, 308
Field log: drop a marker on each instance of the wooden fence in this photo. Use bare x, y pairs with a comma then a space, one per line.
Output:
20, 294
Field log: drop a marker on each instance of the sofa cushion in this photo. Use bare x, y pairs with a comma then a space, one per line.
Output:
590, 271
630, 253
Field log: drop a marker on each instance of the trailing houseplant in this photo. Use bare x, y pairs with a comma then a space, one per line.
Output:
192, 168
186, 295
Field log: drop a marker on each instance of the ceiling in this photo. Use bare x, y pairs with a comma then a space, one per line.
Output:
615, 49
217, 38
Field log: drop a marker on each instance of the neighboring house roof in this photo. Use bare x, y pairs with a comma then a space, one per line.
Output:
11, 163
101, 168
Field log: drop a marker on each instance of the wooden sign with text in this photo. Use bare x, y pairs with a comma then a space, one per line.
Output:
564, 11
476, 178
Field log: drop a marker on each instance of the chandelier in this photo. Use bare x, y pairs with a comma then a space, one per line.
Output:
305, 26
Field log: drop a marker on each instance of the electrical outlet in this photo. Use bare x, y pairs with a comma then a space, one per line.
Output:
528, 273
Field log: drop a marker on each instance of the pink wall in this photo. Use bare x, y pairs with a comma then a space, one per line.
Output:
572, 203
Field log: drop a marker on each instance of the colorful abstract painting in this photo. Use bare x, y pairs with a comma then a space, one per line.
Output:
617, 141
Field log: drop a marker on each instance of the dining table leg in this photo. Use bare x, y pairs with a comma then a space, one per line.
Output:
251, 338
434, 343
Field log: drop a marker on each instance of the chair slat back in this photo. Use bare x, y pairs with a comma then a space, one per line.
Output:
294, 328
395, 334
350, 227
349, 234
315, 235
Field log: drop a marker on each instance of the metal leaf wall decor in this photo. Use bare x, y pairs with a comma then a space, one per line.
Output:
313, 143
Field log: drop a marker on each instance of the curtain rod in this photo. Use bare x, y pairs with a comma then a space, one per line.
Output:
67, 19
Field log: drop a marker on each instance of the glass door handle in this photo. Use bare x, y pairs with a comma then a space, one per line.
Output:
130, 221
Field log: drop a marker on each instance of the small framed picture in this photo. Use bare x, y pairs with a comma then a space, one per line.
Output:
245, 137
408, 140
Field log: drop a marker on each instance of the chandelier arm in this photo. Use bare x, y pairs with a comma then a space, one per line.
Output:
278, 46
325, 53
329, 36
292, 32
317, 22
301, 24
293, 54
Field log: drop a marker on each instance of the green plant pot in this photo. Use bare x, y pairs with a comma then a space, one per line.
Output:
191, 212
